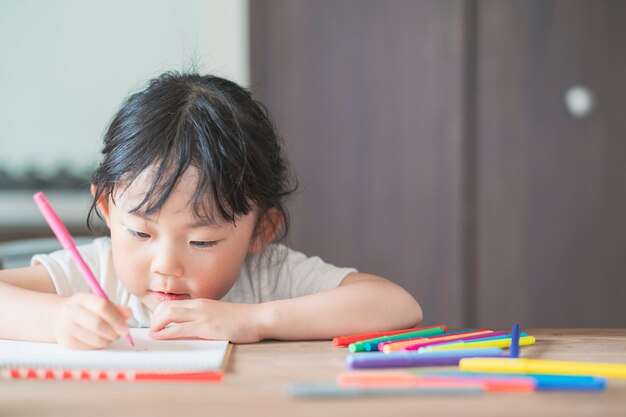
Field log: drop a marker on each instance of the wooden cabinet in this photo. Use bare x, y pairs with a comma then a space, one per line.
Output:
434, 147
551, 187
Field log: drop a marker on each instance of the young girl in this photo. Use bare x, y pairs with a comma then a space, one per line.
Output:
192, 187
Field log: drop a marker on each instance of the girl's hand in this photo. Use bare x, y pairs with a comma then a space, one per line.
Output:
87, 321
206, 319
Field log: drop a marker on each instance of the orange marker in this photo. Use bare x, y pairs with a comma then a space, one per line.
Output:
403, 380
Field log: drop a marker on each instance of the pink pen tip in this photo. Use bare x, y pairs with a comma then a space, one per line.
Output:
130, 339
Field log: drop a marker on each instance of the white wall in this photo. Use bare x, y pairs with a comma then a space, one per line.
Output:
66, 66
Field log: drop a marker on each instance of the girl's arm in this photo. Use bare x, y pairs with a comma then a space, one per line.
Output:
362, 303
31, 310
27, 300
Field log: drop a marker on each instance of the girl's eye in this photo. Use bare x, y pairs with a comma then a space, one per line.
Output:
200, 244
138, 235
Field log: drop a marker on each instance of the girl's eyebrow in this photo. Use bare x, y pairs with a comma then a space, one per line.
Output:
205, 222
141, 215
199, 222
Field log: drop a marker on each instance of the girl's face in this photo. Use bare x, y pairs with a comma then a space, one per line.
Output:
172, 255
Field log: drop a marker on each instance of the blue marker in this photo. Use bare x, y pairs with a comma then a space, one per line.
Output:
514, 348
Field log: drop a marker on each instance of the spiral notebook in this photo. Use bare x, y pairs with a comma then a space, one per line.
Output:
170, 360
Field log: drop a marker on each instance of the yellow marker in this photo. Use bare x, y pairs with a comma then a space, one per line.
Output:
540, 366
501, 343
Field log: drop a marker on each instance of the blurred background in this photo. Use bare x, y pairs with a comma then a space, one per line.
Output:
473, 151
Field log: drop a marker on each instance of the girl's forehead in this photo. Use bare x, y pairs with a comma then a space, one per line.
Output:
177, 207
138, 186
142, 191
144, 195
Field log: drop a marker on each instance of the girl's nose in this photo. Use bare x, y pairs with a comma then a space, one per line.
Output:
165, 261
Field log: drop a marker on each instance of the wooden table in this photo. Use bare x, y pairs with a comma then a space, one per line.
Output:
258, 374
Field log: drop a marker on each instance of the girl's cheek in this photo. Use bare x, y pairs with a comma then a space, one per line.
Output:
130, 270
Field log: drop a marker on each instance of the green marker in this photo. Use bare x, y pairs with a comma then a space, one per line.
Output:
371, 345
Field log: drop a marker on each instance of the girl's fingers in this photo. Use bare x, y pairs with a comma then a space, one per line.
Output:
88, 321
91, 322
169, 312
175, 331
125, 311
109, 313
86, 339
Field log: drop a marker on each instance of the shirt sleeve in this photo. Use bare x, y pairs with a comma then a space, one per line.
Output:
310, 275
293, 275
64, 272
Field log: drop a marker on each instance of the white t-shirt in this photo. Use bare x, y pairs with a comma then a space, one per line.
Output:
260, 279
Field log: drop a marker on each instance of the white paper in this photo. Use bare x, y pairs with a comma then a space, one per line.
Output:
148, 354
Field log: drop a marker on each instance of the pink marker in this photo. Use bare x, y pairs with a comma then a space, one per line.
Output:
64, 237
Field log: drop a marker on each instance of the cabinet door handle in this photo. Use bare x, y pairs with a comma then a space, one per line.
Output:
579, 101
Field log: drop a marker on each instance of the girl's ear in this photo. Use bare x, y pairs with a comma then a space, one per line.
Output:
103, 204
266, 230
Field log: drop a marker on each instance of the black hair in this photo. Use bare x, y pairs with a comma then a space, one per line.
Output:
186, 119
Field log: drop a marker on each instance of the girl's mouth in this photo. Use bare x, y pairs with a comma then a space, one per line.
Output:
160, 296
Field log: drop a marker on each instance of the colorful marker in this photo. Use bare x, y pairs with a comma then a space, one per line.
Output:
333, 391
485, 337
371, 345
515, 343
539, 366
543, 382
405, 359
416, 346
393, 346
346, 340
396, 380
501, 343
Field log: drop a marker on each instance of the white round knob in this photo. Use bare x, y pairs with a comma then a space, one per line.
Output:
579, 101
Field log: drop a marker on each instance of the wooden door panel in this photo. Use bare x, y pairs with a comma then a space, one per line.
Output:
551, 202
369, 97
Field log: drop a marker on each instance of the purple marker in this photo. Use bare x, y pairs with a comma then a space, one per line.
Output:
404, 359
